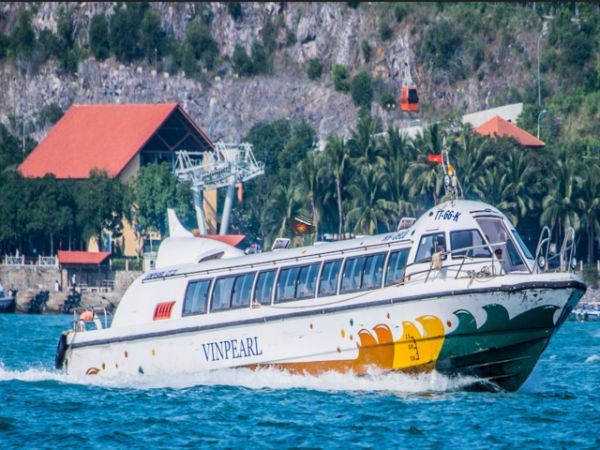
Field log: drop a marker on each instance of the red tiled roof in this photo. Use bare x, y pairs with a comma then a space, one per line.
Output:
76, 257
103, 136
497, 126
231, 239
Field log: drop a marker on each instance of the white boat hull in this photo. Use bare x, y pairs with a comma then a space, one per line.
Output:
495, 330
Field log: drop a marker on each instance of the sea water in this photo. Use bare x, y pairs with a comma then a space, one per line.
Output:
558, 407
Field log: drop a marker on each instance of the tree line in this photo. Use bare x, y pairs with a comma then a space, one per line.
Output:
365, 184
361, 185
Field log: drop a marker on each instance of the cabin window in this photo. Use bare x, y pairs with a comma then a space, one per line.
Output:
501, 243
524, 248
264, 287
465, 239
430, 244
196, 297
221, 297
329, 278
242, 291
513, 253
297, 282
373, 271
351, 277
396, 266
286, 284
307, 281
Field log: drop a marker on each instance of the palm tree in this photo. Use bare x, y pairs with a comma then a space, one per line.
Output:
369, 209
522, 176
309, 185
364, 145
423, 177
589, 202
560, 204
283, 202
398, 155
493, 186
470, 156
335, 163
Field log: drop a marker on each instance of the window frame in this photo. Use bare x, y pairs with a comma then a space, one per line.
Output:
299, 267
428, 260
344, 268
337, 281
362, 272
276, 270
251, 290
387, 262
208, 296
383, 266
230, 308
483, 240
320, 264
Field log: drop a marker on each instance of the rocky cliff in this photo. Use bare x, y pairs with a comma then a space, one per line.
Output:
227, 105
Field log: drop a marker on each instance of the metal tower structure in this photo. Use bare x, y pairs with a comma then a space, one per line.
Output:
225, 166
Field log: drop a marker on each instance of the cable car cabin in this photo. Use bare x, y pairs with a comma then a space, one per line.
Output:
409, 99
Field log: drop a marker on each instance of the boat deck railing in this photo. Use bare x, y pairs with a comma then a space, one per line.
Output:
79, 322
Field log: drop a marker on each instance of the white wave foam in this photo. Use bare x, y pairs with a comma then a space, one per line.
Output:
257, 379
592, 358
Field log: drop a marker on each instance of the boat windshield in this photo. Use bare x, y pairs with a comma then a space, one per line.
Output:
524, 248
497, 235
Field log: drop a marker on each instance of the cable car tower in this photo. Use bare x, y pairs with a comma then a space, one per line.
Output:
225, 166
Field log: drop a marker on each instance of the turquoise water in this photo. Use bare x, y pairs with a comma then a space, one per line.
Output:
559, 406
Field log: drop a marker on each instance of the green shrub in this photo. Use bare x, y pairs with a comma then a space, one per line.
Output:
475, 50
199, 38
124, 35
4, 45
340, 77
361, 89
290, 38
366, 50
385, 31
353, 5
98, 37
242, 64
314, 69
235, 10
387, 100
65, 28
152, 36
189, 63
440, 44
50, 114
48, 43
23, 37
69, 60
260, 59
400, 12
268, 34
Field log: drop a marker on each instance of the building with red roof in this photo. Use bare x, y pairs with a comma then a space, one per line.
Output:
497, 126
77, 257
116, 138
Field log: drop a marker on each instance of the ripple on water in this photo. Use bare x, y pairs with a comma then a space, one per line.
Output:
42, 408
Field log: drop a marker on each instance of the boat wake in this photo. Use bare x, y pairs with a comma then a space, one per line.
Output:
592, 358
268, 378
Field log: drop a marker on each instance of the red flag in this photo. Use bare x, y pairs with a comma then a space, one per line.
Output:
240, 192
434, 158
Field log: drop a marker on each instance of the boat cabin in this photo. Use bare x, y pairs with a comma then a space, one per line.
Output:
452, 240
